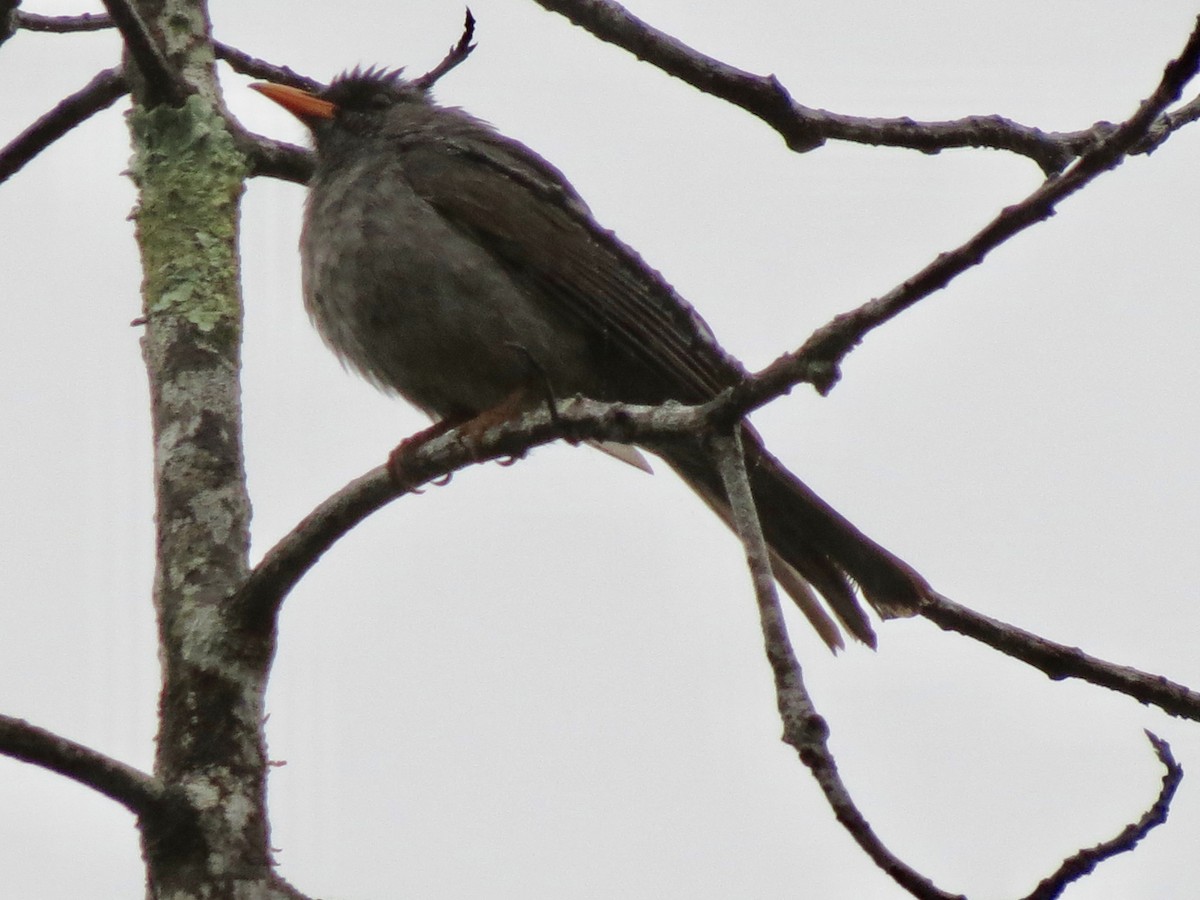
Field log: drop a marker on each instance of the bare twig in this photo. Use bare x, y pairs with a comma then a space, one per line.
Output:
1083, 862
804, 128
1060, 661
1166, 125
63, 24
816, 362
272, 158
803, 727
99, 93
275, 159
135, 790
163, 84
457, 54
245, 64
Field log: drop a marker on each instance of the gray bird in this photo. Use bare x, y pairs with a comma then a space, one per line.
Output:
454, 266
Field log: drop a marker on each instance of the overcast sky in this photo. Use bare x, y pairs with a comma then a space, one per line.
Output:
546, 681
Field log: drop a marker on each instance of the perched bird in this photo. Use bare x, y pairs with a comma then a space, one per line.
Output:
456, 267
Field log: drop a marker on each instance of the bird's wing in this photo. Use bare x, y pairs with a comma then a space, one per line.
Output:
541, 232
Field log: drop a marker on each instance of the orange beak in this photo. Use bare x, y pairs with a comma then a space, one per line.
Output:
300, 104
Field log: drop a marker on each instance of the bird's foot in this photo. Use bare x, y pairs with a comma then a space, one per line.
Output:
471, 432
399, 460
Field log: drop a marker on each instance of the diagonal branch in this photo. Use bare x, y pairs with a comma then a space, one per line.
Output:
1083, 862
576, 420
138, 792
282, 567
62, 24
804, 128
1059, 661
163, 84
817, 361
274, 159
457, 55
98, 94
245, 64
1167, 124
803, 727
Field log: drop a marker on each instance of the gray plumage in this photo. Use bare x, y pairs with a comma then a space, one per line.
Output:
457, 268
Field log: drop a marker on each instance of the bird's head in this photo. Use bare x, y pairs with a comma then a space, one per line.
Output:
359, 102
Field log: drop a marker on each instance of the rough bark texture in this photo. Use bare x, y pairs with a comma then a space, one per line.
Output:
212, 840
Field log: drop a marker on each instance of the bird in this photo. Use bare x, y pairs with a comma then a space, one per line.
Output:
454, 266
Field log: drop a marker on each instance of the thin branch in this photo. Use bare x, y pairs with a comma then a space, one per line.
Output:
457, 54
1166, 125
245, 64
804, 128
803, 727
63, 24
287, 562
163, 84
1083, 862
817, 361
269, 157
1059, 661
98, 94
274, 159
138, 792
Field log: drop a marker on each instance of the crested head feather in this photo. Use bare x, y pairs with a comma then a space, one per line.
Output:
361, 88
376, 75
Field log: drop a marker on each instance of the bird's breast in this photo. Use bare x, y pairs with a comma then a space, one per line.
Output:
418, 306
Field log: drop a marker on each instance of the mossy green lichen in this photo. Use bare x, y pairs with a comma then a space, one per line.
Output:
190, 176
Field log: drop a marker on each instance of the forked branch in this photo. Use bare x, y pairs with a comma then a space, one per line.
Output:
803, 727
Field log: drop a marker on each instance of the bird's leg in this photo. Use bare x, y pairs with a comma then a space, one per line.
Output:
399, 457
473, 427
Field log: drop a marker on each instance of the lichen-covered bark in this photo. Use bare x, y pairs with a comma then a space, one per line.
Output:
213, 839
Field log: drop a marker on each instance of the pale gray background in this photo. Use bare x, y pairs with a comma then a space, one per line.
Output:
545, 681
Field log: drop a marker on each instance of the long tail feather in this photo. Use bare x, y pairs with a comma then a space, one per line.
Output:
814, 549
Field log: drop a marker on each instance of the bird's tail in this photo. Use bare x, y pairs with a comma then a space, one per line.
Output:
814, 550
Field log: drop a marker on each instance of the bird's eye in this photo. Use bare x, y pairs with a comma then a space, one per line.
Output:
378, 102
